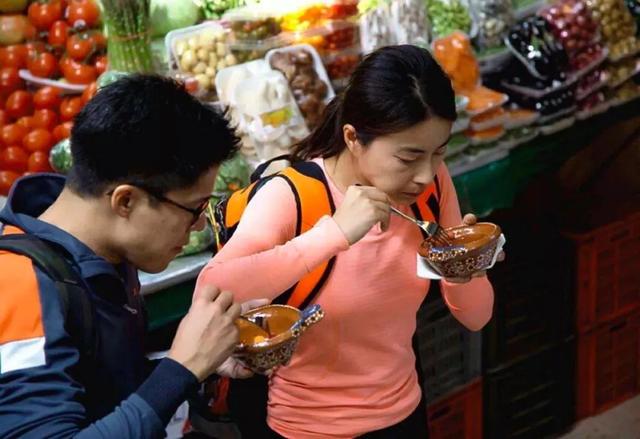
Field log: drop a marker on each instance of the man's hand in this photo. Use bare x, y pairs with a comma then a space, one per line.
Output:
232, 366
207, 335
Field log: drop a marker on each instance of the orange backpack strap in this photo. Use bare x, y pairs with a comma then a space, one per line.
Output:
313, 199
427, 206
227, 214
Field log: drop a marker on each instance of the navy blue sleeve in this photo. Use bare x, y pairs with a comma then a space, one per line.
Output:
167, 388
40, 398
44, 411
146, 413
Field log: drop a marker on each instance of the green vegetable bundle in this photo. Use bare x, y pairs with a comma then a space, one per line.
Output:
129, 35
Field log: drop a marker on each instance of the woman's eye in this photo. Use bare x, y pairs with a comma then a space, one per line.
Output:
405, 160
441, 150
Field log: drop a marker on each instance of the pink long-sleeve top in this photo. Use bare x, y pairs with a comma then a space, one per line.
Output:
353, 372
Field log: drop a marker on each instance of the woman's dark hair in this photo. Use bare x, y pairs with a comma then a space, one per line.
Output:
392, 89
149, 130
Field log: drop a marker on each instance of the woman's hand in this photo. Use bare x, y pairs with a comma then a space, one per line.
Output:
469, 220
363, 207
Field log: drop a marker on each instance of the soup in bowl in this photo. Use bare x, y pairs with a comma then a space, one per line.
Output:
472, 249
269, 334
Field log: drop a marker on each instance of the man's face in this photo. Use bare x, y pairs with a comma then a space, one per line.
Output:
155, 230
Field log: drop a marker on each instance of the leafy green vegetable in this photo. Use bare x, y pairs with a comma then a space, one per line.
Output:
60, 156
199, 241
167, 15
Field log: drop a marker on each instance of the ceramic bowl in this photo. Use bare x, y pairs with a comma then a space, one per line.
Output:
269, 334
472, 250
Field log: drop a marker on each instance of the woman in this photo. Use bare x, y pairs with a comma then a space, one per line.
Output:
381, 143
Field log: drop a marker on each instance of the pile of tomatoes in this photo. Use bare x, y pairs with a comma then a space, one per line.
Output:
67, 42
31, 123
63, 43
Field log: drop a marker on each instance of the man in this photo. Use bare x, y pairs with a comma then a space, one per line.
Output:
145, 159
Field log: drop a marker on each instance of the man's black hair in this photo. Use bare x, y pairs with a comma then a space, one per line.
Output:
147, 129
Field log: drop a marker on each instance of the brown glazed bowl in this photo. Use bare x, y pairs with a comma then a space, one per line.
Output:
269, 334
472, 250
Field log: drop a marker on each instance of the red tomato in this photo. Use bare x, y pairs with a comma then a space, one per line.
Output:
30, 32
13, 134
78, 73
58, 34
191, 85
62, 131
80, 47
33, 48
6, 181
45, 118
3, 119
13, 56
26, 122
101, 64
15, 159
83, 13
43, 65
64, 64
70, 107
43, 15
47, 97
39, 162
89, 92
19, 104
99, 40
10, 81
38, 140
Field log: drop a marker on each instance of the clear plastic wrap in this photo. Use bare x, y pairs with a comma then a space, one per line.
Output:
409, 22
253, 23
331, 36
376, 28
270, 114
485, 137
448, 16
490, 119
617, 26
594, 104
621, 71
519, 118
308, 80
493, 18
592, 82
634, 9
572, 24
455, 55
199, 53
341, 64
533, 44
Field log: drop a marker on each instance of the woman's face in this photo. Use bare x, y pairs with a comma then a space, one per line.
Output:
402, 164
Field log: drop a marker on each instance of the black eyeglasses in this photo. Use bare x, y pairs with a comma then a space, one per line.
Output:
196, 212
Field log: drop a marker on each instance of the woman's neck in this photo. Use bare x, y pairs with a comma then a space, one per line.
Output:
343, 171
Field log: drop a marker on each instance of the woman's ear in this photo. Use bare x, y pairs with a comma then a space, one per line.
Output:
351, 139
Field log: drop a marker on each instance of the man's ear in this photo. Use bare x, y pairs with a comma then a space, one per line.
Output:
124, 199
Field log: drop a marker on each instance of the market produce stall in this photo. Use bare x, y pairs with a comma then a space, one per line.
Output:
521, 69
535, 82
